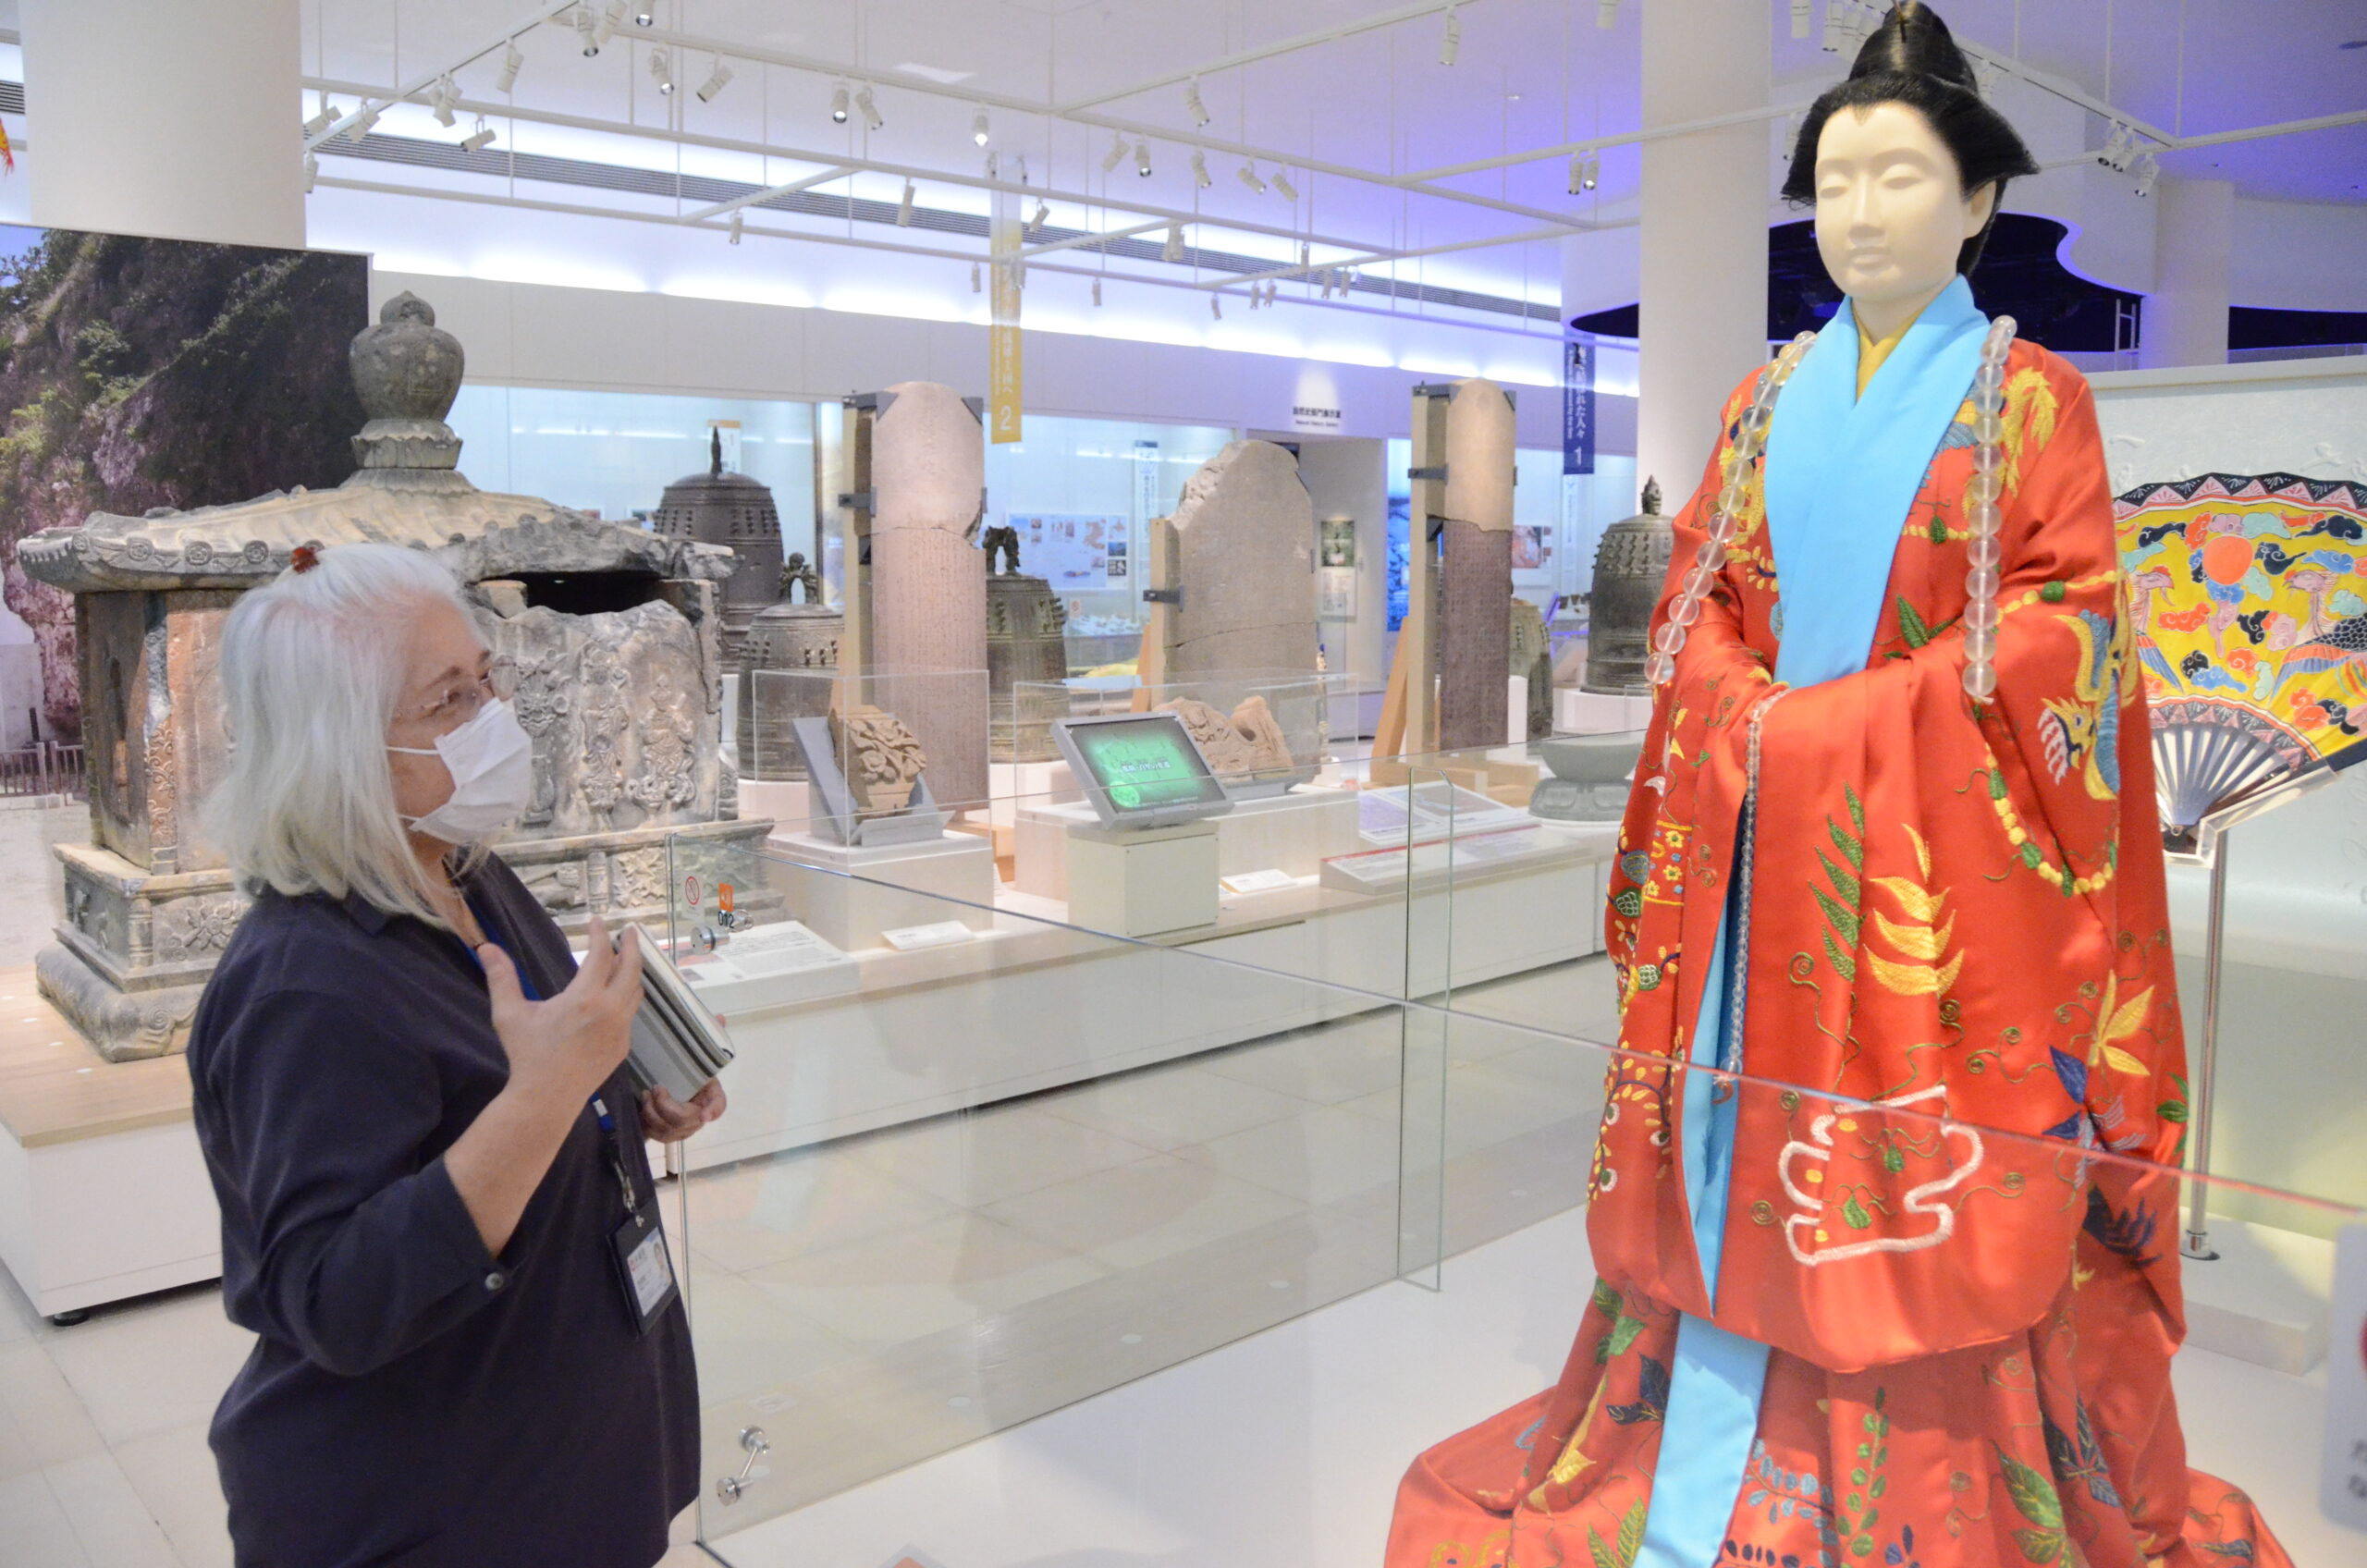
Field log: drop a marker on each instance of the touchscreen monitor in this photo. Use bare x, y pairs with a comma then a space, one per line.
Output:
1140, 770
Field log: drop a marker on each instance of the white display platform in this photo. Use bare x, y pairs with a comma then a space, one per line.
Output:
772, 964
1143, 881
1592, 713
86, 1220
1013, 786
2265, 1299
1293, 833
787, 802
871, 890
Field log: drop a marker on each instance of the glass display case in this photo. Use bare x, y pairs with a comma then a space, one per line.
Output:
1031, 1239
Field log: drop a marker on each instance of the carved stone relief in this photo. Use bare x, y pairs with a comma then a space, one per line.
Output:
883, 761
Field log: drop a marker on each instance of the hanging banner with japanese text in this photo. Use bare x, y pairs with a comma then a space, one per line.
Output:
1577, 404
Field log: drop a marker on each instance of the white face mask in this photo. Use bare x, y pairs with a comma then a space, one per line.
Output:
491, 759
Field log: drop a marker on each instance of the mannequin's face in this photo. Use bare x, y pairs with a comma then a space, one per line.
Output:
1890, 213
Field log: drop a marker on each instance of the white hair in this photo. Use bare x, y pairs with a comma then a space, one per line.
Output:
314, 666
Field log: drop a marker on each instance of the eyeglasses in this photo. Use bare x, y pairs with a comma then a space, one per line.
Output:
462, 699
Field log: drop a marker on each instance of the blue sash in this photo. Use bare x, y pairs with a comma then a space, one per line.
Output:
1841, 474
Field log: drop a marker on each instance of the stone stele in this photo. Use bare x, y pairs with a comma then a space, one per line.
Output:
1244, 546
613, 631
1475, 624
928, 581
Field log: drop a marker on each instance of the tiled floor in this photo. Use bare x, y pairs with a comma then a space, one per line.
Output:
881, 1301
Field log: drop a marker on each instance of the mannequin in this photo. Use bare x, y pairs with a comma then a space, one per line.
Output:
1887, 1173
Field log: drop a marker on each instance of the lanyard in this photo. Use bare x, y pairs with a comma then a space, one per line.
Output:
599, 1105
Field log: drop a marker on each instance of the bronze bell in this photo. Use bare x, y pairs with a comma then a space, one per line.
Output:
1629, 568
786, 637
732, 509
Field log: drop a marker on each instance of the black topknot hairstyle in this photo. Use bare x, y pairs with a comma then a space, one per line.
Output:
1913, 59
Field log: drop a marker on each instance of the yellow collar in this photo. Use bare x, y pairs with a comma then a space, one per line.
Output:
1872, 354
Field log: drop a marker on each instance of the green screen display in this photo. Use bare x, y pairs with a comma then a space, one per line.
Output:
1145, 763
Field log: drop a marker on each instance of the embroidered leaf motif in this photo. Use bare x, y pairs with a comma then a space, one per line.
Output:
2126, 1019
1894, 1160
2077, 1457
1842, 964
2033, 1494
2121, 1062
1915, 979
1628, 902
2073, 1072
1607, 1299
1855, 1212
2032, 855
1856, 808
1921, 941
1624, 1333
1844, 920
1910, 625
1845, 883
2041, 1546
1854, 849
1922, 856
1918, 901
1631, 1534
1651, 1396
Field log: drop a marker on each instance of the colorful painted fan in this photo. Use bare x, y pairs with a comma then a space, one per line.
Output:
2249, 597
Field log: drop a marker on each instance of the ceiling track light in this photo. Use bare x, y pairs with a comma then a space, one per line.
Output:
1173, 250
610, 19
716, 80
587, 29
1216, 307
312, 171
1281, 183
661, 66
904, 207
1142, 159
1116, 155
442, 97
738, 220
1302, 252
976, 286
1800, 9
1606, 14
642, 15
871, 120
2147, 171
1585, 171
838, 102
1097, 293
1192, 104
978, 132
1042, 215
1247, 174
1451, 41
364, 123
1200, 169
512, 63
321, 121
478, 140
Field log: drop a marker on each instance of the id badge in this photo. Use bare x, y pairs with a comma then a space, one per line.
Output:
644, 1268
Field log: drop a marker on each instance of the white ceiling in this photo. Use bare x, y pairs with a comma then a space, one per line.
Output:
1530, 73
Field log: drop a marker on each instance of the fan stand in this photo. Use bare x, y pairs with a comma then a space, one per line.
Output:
2205, 844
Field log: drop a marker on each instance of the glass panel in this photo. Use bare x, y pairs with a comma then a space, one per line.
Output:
1266, 730
876, 770
612, 454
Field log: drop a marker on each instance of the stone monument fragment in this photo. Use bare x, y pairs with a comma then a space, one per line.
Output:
1474, 634
929, 578
1244, 556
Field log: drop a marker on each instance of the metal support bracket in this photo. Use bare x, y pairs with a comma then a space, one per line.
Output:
1162, 595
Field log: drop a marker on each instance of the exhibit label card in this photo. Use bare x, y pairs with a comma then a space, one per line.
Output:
2344, 1493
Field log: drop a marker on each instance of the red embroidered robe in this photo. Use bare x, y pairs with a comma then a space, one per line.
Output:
1957, 911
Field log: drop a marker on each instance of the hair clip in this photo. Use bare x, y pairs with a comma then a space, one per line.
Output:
303, 558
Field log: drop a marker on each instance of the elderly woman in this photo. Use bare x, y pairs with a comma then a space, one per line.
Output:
413, 1107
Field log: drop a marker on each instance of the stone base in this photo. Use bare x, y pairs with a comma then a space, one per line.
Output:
135, 950
123, 1025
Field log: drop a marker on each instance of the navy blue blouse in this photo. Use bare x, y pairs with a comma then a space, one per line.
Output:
413, 1400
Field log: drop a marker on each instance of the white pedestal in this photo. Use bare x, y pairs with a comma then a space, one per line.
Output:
1517, 707
1296, 833
1143, 882
2265, 1299
870, 890
1014, 786
787, 803
1592, 713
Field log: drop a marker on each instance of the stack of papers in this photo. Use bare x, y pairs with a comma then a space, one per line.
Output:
678, 1044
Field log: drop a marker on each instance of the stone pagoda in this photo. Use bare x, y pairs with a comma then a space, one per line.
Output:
615, 631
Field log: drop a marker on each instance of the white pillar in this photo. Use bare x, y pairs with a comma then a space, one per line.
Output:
180, 118
1703, 240
2185, 318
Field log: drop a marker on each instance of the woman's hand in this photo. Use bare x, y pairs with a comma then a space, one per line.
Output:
566, 1048
665, 1119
